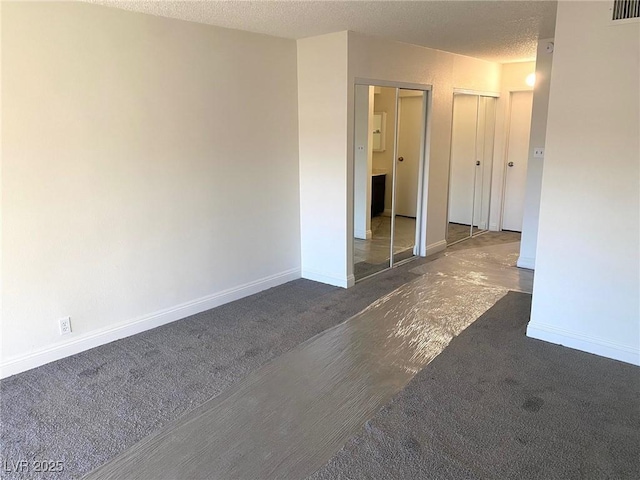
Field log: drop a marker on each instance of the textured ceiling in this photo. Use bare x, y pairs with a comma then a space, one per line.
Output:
500, 31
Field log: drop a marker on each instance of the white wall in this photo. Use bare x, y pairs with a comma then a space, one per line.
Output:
149, 171
586, 290
537, 139
512, 80
322, 123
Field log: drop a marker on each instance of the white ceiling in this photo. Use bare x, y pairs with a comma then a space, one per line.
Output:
500, 31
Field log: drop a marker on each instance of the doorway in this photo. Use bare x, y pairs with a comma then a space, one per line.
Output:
517, 160
471, 165
389, 134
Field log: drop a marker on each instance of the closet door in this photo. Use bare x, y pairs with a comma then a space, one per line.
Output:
462, 175
472, 139
374, 137
410, 137
389, 146
484, 162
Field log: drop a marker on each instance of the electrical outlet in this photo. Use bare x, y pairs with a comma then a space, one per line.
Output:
361, 148
538, 152
65, 326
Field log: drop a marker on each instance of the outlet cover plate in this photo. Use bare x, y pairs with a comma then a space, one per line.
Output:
65, 325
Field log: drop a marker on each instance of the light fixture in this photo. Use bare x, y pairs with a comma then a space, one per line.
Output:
531, 79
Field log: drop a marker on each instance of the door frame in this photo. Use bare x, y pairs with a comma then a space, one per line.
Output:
420, 248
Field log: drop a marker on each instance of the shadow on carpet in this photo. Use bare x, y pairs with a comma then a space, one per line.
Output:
496, 404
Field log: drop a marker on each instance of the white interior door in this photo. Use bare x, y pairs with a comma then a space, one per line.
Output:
463, 158
408, 162
517, 159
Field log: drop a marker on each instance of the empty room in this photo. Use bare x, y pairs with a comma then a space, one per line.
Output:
317, 239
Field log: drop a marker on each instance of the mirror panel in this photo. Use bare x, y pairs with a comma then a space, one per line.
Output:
373, 178
410, 128
386, 189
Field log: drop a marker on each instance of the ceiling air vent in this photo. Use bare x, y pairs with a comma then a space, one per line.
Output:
625, 9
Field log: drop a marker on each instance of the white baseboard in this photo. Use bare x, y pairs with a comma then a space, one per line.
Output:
526, 262
493, 227
343, 282
436, 247
597, 346
93, 339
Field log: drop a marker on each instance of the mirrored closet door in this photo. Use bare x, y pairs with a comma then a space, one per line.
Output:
389, 134
471, 165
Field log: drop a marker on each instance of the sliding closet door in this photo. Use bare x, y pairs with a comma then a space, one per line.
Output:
472, 139
389, 136
410, 128
462, 175
484, 162
374, 137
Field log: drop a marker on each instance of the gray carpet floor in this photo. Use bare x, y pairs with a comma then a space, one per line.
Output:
85, 409
288, 418
496, 404
485, 240
457, 232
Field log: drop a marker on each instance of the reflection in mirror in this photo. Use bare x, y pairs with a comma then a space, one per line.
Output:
379, 131
373, 172
410, 130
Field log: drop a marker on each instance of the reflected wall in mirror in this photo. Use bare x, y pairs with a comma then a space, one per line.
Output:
379, 131
372, 179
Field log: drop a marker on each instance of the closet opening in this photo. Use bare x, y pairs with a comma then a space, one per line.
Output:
389, 168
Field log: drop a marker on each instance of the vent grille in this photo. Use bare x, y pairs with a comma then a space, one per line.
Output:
625, 9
